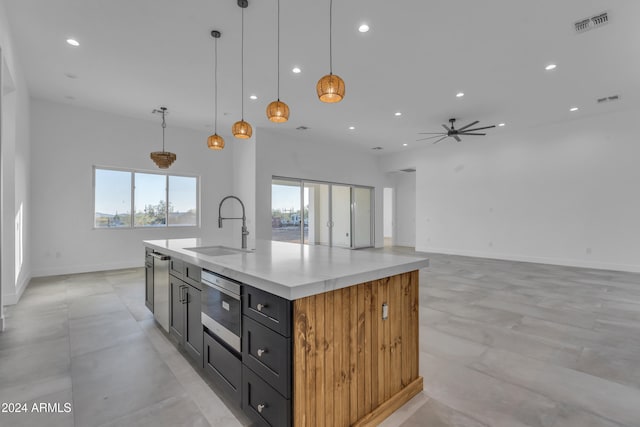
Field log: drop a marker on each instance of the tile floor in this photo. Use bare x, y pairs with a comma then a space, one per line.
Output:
503, 344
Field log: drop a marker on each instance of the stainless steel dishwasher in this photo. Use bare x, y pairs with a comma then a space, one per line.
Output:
161, 289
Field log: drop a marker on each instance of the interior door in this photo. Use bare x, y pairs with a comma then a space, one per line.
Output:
316, 223
362, 207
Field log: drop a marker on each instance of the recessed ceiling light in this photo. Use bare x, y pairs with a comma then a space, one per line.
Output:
352, 127
500, 125
254, 97
363, 28
73, 42
296, 70
550, 67
460, 94
572, 109
398, 114
405, 144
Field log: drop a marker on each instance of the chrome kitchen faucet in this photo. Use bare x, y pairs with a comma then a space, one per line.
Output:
245, 232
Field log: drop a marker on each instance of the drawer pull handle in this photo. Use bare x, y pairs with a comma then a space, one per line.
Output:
261, 351
259, 307
261, 407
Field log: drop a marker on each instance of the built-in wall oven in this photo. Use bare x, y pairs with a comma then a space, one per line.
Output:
222, 308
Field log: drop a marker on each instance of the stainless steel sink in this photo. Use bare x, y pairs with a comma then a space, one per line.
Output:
217, 250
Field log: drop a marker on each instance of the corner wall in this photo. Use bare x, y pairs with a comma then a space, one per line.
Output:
15, 245
282, 155
560, 194
67, 143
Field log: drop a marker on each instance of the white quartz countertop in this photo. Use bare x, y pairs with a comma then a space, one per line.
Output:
292, 270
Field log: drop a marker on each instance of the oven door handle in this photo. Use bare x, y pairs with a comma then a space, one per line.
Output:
219, 289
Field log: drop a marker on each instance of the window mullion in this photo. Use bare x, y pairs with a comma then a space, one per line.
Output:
133, 201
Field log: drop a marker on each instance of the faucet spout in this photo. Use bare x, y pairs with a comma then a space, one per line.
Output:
245, 232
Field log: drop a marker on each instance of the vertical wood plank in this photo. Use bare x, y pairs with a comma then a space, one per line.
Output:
339, 377
329, 382
300, 397
406, 329
319, 345
415, 323
386, 343
346, 357
353, 354
311, 361
360, 343
367, 349
395, 316
375, 344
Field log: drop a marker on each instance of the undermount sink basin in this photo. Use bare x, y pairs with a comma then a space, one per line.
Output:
217, 250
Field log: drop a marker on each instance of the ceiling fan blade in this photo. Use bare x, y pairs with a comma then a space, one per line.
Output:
435, 142
431, 137
468, 126
465, 134
457, 138
486, 127
447, 129
431, 133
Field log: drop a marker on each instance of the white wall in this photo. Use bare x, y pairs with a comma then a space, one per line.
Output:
564, 194
284, 155
404, 184
388, 212
66, 143
15, 155
244, 187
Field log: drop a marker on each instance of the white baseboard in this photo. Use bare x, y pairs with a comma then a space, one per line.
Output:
596, 265
90, 268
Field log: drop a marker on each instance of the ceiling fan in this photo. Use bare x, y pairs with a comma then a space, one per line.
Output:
453, 132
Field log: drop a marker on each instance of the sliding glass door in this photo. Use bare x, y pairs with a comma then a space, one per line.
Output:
321, 213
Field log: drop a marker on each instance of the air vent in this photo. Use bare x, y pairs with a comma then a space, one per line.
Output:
302, 128
608, 99
595, 21
377, 148
408, 170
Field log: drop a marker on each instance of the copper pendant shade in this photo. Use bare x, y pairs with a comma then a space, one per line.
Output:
330, 88
242, 129
215, 141
163, 159
278, 112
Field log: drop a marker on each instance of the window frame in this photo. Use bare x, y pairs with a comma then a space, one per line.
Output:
132, 189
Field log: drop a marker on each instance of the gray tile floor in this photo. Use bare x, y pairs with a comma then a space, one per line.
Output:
503, 344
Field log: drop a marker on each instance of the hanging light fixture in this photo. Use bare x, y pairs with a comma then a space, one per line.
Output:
242, 129
163, 159
330, 88
215, 141
278, 111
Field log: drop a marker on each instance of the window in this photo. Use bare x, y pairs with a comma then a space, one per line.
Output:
321, 213
125, 199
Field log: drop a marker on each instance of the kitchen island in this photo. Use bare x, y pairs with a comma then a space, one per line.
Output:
344, 321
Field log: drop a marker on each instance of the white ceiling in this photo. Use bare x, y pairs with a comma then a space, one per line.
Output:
137, 55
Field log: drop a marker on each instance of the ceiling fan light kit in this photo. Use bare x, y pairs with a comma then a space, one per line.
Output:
452, 132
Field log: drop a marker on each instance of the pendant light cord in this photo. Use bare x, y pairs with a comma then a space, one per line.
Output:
215, 84
278, 50
164, 125
242, 63
330, 37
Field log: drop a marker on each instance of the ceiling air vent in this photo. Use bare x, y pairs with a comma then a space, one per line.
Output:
595, 21
377, 148
608, 99
302, 128
408, 170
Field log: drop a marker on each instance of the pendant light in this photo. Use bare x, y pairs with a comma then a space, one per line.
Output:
278, 111
163, 159
215, 141
242, 129
330, 88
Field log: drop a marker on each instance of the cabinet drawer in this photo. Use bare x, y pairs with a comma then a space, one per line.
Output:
224, 369
192, 274
176, 267
262, 403
270, 310
268, 354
